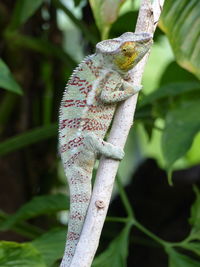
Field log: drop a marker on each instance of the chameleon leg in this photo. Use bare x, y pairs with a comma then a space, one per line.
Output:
98, 145
120, 95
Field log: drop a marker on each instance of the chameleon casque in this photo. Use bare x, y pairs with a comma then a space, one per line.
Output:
96, 86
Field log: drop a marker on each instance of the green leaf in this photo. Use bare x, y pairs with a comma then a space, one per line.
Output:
117, 252
78, 2
180, 21
182, 124
172, 89
7, 81
124, 23
195, 211
37, 206
192, 246
105, 14
24, 9
193, 154
51, 245
23, 228
179, 260
182, 75
28, 138
40, 45
20, 255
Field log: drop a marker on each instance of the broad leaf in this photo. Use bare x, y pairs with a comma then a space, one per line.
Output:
180, 21
182, 124
105, 13
116, 253
20, 255
51, 245
28, 138
179, 260
77, 2
182, 75
37, 206
124, 23
195, 214
172, 89
195, 210
7, 81
193, 246
24, 9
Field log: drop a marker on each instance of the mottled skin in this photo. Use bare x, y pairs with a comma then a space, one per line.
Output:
87, 108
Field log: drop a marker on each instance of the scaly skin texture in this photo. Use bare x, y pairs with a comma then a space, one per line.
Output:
86, 111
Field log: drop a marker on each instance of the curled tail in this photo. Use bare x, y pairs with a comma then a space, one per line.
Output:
80, 192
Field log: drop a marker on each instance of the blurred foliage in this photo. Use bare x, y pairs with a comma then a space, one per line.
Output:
181, 24
105, 14
22, 11
15, 254
6, 80
35, 64
35, 207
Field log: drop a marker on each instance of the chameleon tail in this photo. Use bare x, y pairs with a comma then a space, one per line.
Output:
80, 193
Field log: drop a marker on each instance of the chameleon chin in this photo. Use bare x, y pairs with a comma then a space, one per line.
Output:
87, 108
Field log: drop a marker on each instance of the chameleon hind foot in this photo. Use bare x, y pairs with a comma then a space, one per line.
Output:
98, 145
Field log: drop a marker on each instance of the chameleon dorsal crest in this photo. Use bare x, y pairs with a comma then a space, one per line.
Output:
87, 108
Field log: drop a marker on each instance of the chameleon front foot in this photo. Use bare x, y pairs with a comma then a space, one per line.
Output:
131, 88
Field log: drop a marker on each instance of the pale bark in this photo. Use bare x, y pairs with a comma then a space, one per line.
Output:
89, 240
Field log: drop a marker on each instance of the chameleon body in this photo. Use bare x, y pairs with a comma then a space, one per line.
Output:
86, 111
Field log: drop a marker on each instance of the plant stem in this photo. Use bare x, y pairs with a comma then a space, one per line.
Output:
150, 234
124, 199
131, 216
117, 219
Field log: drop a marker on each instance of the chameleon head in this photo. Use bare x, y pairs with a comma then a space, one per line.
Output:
124, 52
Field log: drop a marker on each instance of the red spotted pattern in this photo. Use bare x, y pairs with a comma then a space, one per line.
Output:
76, 142
99, 109
72, 160
94, 69
79, 198
74, 103
84, 86
93, 125
79, 178
70, 123
106, 116
76, 216
73, 236
85, 123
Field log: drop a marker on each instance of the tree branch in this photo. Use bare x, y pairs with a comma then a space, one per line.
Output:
89, 240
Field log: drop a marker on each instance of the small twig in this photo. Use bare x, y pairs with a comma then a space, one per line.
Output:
107, 170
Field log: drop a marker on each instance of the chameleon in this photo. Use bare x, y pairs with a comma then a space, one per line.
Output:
89, 102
